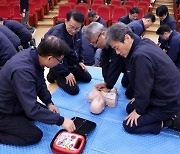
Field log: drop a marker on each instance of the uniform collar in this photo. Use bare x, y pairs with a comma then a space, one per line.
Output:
34, 55
136, 41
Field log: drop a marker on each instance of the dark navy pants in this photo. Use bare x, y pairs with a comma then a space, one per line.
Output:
18, 130
149, 122
79, 75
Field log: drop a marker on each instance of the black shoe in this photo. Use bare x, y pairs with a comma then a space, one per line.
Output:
51, 77
175, 123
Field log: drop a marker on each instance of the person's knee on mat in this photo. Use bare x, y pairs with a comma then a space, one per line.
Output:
73, 91
89, 79
128, 128
35, 137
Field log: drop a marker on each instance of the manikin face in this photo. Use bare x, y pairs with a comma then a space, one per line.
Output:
72, 26
122, 48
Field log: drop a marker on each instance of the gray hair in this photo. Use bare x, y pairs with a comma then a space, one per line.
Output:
93, 29
117, 32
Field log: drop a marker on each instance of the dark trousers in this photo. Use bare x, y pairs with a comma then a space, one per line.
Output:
18, 130
149, 122
80, 75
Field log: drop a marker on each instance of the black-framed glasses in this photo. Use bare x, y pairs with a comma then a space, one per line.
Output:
60, 61
95, 43
74, 28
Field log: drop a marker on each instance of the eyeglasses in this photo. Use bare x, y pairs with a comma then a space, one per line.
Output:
74, 28
60, 61
95, 43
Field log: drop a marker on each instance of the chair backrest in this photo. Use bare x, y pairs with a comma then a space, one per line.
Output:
98, 2
2, 1
63, 10
141, 12
72, 1
118, 13
111, 6
116, 2
44, 2
32, 8
128, 7
148, 1
134, 0
38, 4
130, 3
83, 9
144, 4
16, 11
104, 12
5, 11
16, 15
71, 4
95, 6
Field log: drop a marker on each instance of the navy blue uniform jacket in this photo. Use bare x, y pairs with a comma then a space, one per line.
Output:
14, 39
20, 30
71, 61
88, 52
124, 19
174, 48
137, 27
112, 66
170, 21
22, 80
101, 21
7, 50
24, 4
154, 77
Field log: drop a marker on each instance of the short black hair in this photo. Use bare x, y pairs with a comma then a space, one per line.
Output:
117, 32
134, 10
92, 14
52, 45
76, 15
1, 19
59, 22
162, 10
150, 16
162, 29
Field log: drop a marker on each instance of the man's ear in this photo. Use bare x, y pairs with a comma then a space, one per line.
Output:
103, 33
127, 37
49, 57
65, 21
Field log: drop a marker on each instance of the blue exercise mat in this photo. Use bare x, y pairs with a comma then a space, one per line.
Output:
109, 136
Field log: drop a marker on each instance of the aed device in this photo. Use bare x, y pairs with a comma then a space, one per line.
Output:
72, 143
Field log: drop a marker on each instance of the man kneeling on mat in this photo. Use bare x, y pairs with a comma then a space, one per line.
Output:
22, 80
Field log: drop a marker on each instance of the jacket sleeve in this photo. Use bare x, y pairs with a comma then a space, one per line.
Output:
173, 25
112, 67
81, 52
142, 79
27, 95
174, 50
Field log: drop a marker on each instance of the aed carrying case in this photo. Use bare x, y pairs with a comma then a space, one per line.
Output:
72, 143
